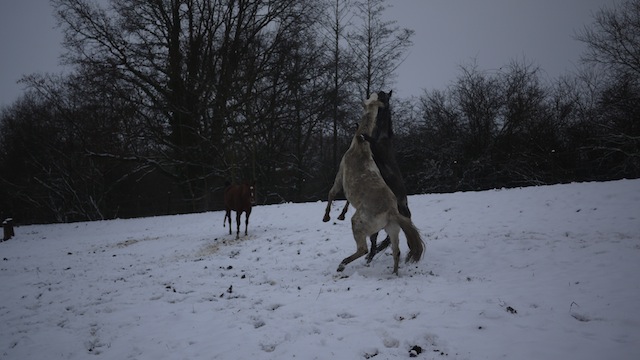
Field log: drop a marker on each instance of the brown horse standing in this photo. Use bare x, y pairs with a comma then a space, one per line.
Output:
239, 198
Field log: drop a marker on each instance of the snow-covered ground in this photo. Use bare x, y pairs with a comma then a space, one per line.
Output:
535, 273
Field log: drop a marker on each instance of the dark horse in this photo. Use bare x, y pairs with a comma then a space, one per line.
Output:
239, 198
381, 141
376, 205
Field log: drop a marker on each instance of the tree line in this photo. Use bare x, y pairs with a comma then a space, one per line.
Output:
168, 99
509, 127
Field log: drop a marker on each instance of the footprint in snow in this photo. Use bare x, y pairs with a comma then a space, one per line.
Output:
346, 316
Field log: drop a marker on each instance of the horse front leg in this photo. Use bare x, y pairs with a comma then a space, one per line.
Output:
327, 210
337, 186
344, 211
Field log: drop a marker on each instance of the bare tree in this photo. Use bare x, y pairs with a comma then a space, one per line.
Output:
46, 172
613, 44
478, 97
613, 39
379, 46
193, 66
337, 22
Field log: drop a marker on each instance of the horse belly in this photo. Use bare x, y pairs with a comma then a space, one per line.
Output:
371, 195
369, 223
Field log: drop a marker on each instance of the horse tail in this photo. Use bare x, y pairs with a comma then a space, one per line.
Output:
403, 207
414, 241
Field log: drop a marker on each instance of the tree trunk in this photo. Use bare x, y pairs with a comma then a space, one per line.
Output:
7, 226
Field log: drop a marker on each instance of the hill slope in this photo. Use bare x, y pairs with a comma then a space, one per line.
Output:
533, 273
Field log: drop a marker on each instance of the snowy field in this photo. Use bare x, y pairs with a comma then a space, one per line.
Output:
535, 273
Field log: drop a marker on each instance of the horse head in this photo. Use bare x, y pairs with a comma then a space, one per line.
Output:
250, 190
372, 107
383, 128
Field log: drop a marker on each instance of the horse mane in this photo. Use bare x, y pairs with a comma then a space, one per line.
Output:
384, 127
371, 109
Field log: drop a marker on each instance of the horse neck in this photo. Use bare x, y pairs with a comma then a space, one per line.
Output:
383, 124
368, 121
245, 192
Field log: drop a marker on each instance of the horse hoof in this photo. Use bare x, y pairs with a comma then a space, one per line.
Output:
340, 268
326, 219
341, 217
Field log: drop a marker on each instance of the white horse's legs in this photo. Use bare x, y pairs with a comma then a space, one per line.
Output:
393, 229
360, 236
344, 211
374, 250
337, 187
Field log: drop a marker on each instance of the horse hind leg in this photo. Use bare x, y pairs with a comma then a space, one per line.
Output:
403, 208
378, 249
246, 222
361, 250
224, 222
393, 229
383, 245
373, 250
360, 236
238, 214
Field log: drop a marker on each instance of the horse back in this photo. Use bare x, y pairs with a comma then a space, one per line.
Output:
384, 157
238, 197
362, 179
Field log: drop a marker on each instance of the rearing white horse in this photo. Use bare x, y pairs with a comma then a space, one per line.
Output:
375, 204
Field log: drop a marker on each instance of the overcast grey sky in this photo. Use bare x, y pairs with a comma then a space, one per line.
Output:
29, 42
448, 33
